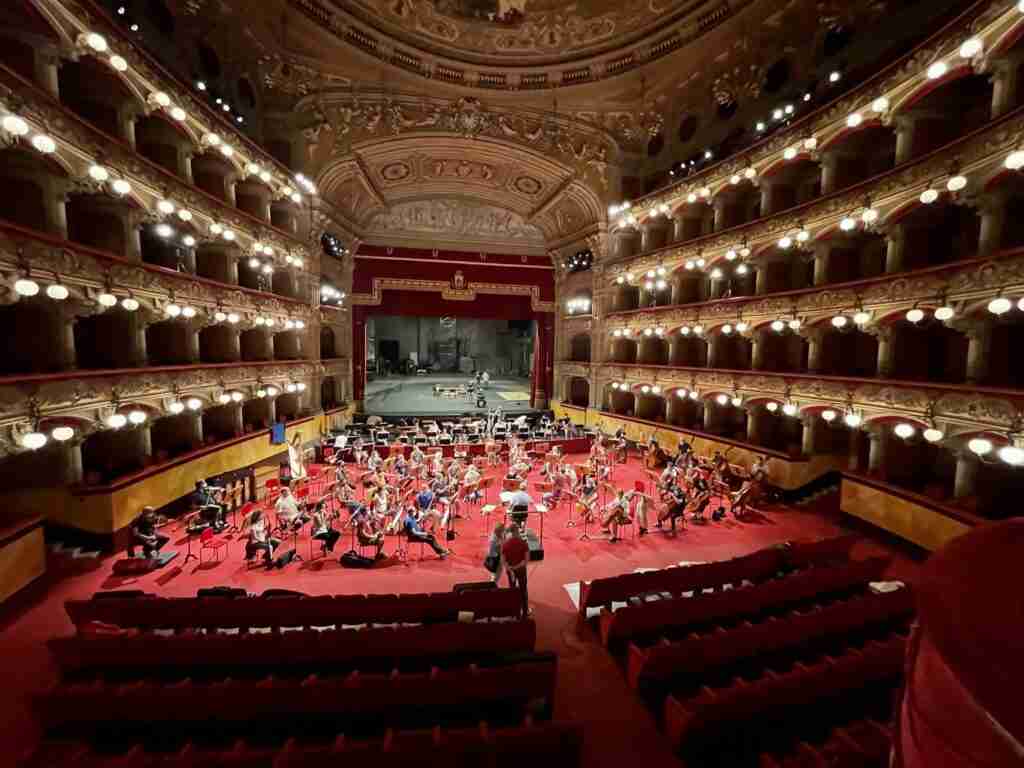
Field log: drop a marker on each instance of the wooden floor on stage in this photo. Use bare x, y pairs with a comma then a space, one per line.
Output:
416, 396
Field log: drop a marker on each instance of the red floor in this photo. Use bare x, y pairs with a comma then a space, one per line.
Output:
591, 687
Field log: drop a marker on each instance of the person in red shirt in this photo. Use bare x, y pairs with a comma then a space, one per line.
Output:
516, 555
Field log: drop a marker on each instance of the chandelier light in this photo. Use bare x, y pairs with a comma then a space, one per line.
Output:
1012, 455
862, 318
1015, 160
44, 144
971, 48
737, 401
130, 304
722, 399
106, 299
847, 223
944, 313
98, 173
26, 287
789, 409
188, 241
852, 420
694, 395
854, 120
829, 415
176, 407
881, 104
194, 403
33, 440
165, 207
62, 434
224, 398
929, 196
137, 417
119, 63
1000, 306
904, 430
188, 312
185, 215
57, 292
116, 421
915, 315
772, 406
14, 125
173, 310
839, 321
778, 326
980, 446
937, 70
956, 183
933, 435
121, 187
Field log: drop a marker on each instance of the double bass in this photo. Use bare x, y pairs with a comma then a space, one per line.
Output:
656, 458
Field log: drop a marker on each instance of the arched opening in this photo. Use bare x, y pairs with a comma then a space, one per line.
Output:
792, 184
650, 407
172, 436
283, 216
328, 394
652, 350
160, 142
250, 275
107, 340
783, 352
952, 109
17, 54
98, 222
858, 256
89, 88
937, 234
626, 298
689, 351
169, 342
253, 198
860, 155
724, 419
288, 407
217, 262
1005, 361
287, 345
579, 392
327, 348
211, 174
690, 288
29, 190
255, 345
257, 414
779, 432
848, 352
579, 348
218, 344
685, 412
928, 351
737, 205
221, 423
623, 351
915, 464
113, 453
166, 252
38, 344
621, 401
692, 221
731, 351
786, 271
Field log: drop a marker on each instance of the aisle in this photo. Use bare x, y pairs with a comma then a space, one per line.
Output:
590, 688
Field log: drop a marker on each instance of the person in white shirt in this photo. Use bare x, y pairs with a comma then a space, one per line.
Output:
520, 498
616, 514
341, 442
485, 379
416, 457
470, 481
288, 512
375, 461
259, 538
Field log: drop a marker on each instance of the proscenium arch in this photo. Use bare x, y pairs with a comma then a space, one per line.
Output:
563, 207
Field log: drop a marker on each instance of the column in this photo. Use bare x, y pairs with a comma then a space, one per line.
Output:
678, 229
829, 171
185, 165
143, 442
815, 338
895, 243
71, 462
131, 220
767, 197
69, 354
193, 343
821, 257
1004, 85
853, 460
885, 351
979, 342
709, 416
140, 354
905, 130
229, 190
236, 419
721, 209
754, 425
966, 478
993, 217
713, 349
236, 345
47, 72
757, 351
807, 437
876, 453
646, 238
127, 118
196, 423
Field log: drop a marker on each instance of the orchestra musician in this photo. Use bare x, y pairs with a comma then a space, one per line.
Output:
656, 458
260, 538
323, 526
289, 515
368, 531
144, 533
616, 514
207, 500
675, 507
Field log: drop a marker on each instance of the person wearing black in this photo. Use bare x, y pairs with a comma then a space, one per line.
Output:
204, 499
144, 533
416, 534
675, 507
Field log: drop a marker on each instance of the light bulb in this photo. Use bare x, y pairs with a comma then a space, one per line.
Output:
722, 399
789, 153
929, 196
44, 144
129, 304
98, 173
847, 224
33, 441
300, 325
176, 407
685, 330
233, 318
904, 430
694, 395
185, 215
116, 421
861, 318
173, 310
726, 329
228, 235
789, 409
219, 316
737, 402
869, 216
698, 329
261, 393
810, 143
944, 313
194, 403
1012, 455
854, 120
956, 183
268, 269
227, 150
14, 125
999, 306
655, 390
162, 99
915, 315
165, 207
1015, 160
265, 177
829, 415
742, 269
254, 263
794, 325
106, 299
121, 187
778, 326
971, 48
216, 229
26, 287
57, 292
772, 407
785, 242
933, 435
839, 321
852, 420
224, 399
980, 446
645, 389
179, 114
188, 312
188, 241
163, 230
742, 326
880, 104
803, 236
119, 63
62, 434
290, 388
730, 255
97, 42
212, 139
937, 70
253, 169
137, 417
236, 397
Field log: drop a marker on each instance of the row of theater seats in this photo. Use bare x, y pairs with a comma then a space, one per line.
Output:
182, 686
149, 611
780, 655
677, 581
481, 746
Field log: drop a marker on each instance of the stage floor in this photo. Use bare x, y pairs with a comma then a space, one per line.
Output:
414, 396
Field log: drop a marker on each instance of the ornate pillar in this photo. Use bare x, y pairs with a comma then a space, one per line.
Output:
47, 72
193, 342
966, 479
821, 258
709, 417
895, 243
713, 350
68, 352
196, 426
979, 343
761, 278
830, 160
757, 350
678, 229
992, 208
853, 459
767, 196
884, 334
815, 337
754, 424
71, 469
721, 209
877, 452
185, 164
906, 128
1004, 85
807, 441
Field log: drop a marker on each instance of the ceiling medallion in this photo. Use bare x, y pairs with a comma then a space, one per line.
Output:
395, 171
527, 185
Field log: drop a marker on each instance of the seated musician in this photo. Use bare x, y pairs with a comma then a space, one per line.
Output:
415, 533
668, 476
401, 466
359, 451
470, 483
144, 533
380, 501
375, 462
260, 538
675, 506
205, 500
616, 514
368, 532
323, 529
552, 498
701, 490
289, 515
416, 457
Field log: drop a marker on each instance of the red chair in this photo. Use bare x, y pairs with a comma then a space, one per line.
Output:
208, 542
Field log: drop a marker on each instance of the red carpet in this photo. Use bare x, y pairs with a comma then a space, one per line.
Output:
591, 686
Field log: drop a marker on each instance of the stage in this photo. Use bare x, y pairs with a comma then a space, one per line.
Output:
396, 396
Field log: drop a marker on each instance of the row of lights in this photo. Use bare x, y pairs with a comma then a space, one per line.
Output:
330, 293
578, 305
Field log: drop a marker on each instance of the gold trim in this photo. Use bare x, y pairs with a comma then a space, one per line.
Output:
450, 293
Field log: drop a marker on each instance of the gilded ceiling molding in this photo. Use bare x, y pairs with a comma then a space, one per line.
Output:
456, 290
